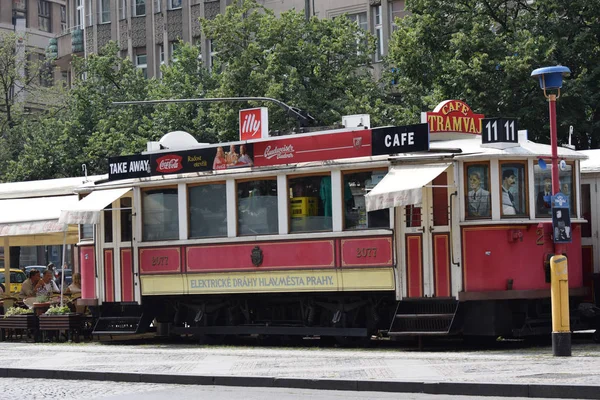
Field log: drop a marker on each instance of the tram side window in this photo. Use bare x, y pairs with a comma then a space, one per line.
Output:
477, 202
257, 207
159, 214
356, 186
126, 216
207, 211
108, 224
513, 186
310, 203
543, 189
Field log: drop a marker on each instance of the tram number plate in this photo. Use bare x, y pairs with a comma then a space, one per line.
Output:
539, 235
160, 260
364, 252
497, 130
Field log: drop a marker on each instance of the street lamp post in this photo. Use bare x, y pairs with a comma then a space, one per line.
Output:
551, 78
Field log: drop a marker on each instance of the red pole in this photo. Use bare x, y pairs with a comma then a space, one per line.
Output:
554, 143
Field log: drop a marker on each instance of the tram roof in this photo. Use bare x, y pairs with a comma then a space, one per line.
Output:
592, 164
46, 188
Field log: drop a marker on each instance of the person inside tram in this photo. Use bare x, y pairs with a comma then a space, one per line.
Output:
220, 161
544, 198
28, 286
479, 198
508, 200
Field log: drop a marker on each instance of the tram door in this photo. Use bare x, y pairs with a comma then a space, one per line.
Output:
427, 242
117, 257
590, 240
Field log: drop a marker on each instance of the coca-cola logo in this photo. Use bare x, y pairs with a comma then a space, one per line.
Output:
286, 151
170, 163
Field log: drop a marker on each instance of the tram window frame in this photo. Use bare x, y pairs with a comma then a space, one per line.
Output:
562, 176
86, 231
108, 224
383, 212
175, 235
275, 212
126, 218
290, 196
189, 189
485, 184
523, 184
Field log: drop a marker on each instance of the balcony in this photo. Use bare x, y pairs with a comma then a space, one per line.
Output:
68, 43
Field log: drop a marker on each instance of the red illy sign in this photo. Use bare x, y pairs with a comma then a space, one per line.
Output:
454, 116
254, 123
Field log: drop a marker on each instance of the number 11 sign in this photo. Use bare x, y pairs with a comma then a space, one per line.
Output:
500, 131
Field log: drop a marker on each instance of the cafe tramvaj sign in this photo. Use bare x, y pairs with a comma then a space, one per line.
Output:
454, 116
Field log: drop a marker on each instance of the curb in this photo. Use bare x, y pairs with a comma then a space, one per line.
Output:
439, 388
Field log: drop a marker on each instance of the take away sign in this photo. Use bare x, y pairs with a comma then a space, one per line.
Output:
254, 123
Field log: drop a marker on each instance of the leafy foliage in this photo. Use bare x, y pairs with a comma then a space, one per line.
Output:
58, 310
483, 52
17, 311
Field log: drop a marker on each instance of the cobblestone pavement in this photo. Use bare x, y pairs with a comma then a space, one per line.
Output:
520, 366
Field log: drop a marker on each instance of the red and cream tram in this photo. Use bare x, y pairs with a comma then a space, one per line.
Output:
431, 229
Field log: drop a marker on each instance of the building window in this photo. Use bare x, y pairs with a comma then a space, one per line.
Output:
310, 203
378, 28
360, 19
513, 188
104, 11
477, 201
208, 210
174, 4
356, 186
122, 9
543, 190
44, 16
141, 62
397, 10
79, 14
89, 15
157, 4
212, 51
139, 8
160, 219
126, 219
175, 46
46, 72
63, 19
257, 207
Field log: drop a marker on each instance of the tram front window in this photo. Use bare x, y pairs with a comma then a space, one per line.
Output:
513, 189
356, 186
543, 190
257, 207
160, 220
208, 211
310, 203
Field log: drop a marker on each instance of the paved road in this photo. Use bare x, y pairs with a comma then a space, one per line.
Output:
53, 389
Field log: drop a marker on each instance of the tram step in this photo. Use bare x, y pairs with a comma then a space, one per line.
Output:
419, 333
442, 316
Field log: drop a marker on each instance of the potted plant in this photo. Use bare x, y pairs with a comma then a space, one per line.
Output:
18, 318
42, 303
61, 318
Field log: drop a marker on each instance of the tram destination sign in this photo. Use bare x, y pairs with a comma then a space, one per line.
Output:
401, 139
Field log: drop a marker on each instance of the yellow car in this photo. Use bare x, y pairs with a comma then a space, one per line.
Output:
17, 277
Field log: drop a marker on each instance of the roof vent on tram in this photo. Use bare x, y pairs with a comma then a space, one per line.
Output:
176, 140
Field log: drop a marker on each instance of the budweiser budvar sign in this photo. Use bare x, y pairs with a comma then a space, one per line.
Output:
169, 164
283, 152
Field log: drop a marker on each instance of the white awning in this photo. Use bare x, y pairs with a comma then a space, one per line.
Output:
88, 209
33, 216
403, 185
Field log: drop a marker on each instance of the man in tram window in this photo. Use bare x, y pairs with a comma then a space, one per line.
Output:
544, 197
478, 197
508, 199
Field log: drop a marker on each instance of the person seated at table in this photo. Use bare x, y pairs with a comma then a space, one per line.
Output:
28, 286
46, 285
75, 287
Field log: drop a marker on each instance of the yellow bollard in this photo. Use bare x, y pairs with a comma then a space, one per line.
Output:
559, 293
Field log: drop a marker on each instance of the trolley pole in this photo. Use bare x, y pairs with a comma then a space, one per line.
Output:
551, 78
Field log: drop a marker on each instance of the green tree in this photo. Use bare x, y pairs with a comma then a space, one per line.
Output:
483, 52
322, 66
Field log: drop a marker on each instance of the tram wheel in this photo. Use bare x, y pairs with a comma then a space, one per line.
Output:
596, 336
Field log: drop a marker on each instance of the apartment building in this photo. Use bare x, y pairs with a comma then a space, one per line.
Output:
148, 31
36, 24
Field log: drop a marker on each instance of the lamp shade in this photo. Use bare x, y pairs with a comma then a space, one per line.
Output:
551, 77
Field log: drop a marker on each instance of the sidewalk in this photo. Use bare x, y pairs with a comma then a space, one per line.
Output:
528, 372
